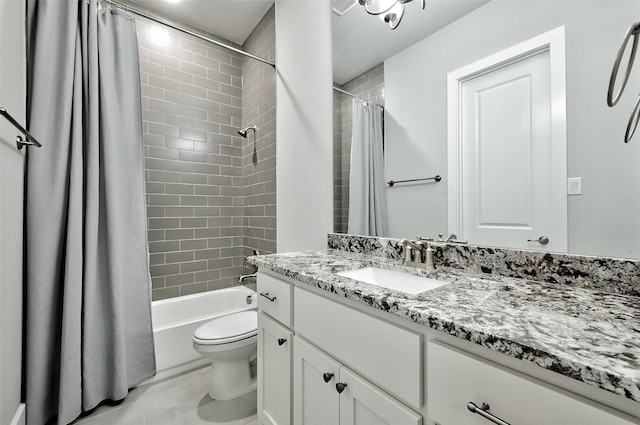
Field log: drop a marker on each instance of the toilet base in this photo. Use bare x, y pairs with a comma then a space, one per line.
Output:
231, 379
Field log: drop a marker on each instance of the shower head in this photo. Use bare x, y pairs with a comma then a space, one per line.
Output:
244, 131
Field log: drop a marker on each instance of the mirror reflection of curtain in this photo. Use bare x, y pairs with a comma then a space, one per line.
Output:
367, 195
88, 305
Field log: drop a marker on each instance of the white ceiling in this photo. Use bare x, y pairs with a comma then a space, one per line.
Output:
360, 40
230, 19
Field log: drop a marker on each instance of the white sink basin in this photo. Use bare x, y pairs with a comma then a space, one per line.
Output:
390, 279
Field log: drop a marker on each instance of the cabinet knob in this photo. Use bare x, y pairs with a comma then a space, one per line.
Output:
281, 341
327, 376
340, 386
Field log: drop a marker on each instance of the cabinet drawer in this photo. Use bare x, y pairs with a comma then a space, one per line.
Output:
274, 298
455, 378
386, 354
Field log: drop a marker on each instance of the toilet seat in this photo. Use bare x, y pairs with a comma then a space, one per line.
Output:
227, 329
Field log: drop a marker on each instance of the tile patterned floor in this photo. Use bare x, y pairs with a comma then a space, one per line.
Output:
182, 400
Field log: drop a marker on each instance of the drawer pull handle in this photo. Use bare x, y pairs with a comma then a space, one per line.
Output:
327, 376
340, 386
266, 295
281, 341
484, 412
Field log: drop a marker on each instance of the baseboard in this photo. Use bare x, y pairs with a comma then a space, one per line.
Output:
20, 418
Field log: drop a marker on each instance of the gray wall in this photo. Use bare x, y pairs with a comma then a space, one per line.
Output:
416, 117
12, 95
368, 85
259, 154
207, 199
192, 109
304, 116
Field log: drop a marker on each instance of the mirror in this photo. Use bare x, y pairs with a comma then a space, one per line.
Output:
605, 219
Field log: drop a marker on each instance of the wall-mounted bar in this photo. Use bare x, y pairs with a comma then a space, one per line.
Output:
356, 96
31, 141
162, 21
393, 182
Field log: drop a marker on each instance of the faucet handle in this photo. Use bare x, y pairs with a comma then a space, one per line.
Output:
420, 238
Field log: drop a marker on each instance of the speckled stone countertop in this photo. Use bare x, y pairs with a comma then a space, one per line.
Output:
587, 335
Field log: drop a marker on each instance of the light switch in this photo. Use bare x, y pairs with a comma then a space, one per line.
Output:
574, 186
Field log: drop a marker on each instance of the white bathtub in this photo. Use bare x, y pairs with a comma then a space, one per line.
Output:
175, 320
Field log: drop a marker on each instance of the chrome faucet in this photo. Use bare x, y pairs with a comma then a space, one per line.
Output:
451, 238
246, 276
441, 242
413, 253
252, 275
414, 250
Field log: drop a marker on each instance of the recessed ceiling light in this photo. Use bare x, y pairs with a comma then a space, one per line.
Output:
158, 34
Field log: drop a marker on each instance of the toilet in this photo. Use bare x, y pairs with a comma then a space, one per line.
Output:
231, 344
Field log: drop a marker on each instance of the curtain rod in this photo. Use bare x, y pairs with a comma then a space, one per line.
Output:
357, 97
162, 21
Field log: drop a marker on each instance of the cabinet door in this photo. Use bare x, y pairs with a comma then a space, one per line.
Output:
315, 399
363, 404
274, 371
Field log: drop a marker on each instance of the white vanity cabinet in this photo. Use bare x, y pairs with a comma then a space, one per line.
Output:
316, 400
275, 350
274, 371
305, 339
328, 393
331, 341
456, 378
398, 372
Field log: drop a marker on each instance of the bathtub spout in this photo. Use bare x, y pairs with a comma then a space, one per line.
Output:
246, 276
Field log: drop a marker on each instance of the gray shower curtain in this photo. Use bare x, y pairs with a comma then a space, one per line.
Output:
367, 188
88, 319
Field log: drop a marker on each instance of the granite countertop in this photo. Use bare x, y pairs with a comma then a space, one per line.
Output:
587, 335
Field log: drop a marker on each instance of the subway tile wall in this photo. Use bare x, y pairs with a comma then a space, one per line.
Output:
368, 85
339, 220
259, 148
192, 99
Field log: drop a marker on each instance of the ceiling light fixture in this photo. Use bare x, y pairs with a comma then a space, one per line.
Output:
390, 11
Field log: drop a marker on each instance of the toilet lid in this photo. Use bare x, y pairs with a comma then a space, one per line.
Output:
230, 328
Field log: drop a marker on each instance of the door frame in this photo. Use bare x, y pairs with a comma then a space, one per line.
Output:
552, 41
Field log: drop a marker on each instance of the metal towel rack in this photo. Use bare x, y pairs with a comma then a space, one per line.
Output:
393, 182
31, 141
634, 30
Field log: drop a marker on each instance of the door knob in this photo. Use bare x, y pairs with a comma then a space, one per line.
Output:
327, 376
542, 240
281, 341
340, 386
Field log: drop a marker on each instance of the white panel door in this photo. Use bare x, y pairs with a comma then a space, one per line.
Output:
364, 404
511, 166
315, 398
274, 372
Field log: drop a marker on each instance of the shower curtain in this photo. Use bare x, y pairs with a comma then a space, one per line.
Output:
88, 321
367, 188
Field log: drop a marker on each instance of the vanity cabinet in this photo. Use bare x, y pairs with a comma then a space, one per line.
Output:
328, 393
309, 346
274, 371
275, 350
396, 372
456, 378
